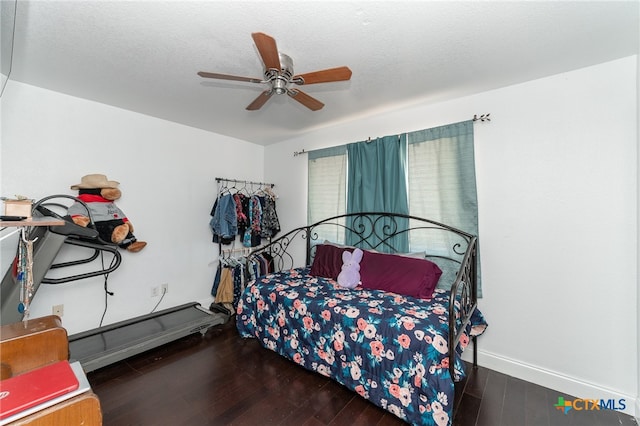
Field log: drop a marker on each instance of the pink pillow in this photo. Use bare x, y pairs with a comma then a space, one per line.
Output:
327, 261
398, 274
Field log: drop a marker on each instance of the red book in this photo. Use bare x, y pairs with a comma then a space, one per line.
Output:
26, 390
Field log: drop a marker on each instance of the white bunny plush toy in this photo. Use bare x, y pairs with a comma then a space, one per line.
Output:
349, 277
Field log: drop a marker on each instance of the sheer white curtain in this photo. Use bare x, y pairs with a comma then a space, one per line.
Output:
327, 192
442, 187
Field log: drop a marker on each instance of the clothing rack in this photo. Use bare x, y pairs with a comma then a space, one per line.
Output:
476, 117
220, 179
243, 250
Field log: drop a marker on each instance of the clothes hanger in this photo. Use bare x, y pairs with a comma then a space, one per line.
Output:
244, 188
269, 191
259, 192
224, 189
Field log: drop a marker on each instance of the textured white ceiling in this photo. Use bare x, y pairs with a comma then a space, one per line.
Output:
143, 56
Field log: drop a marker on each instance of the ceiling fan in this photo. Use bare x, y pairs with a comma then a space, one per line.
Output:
278, 74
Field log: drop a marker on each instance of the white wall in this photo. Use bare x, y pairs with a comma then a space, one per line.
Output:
167, 176
557, 187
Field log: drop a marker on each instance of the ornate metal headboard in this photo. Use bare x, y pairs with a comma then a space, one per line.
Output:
385, 232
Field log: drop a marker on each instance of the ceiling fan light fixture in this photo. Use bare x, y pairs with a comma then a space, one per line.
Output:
280, 85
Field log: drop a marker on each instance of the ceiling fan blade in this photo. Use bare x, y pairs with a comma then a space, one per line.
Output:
324, 76
260, 100
228, 77
268, 50
306, 100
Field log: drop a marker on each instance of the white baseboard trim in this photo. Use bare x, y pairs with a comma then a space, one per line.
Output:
553, 380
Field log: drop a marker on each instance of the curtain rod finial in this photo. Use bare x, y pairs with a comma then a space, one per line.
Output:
483, 117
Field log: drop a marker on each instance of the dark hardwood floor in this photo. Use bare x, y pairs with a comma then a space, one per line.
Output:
222, 379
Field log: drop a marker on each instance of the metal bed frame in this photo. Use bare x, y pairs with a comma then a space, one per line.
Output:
375, 231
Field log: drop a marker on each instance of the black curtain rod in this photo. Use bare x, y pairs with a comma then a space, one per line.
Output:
219, 179
476, 117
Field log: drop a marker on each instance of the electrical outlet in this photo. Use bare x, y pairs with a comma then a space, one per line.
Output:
164, 288
155, 291
58, 310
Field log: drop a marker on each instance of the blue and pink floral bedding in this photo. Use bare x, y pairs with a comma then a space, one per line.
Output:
390, 349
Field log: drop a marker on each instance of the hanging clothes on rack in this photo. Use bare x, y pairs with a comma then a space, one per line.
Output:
252, 236
224, 294
251, 214
224, 221
248, 212
270, 224
242, 205
230, 280
260, 264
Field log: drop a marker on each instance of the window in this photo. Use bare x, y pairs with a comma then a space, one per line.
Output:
441, 184
327, 193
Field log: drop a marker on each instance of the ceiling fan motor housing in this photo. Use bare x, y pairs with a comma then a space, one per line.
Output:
282, 78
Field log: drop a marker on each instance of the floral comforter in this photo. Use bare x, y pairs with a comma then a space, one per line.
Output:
390, 349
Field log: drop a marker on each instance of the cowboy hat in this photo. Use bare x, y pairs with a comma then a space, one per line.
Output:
95, 181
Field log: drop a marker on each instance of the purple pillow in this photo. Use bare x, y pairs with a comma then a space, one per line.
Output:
398, 274
327, 261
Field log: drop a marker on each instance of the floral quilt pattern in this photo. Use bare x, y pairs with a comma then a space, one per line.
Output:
390, 349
